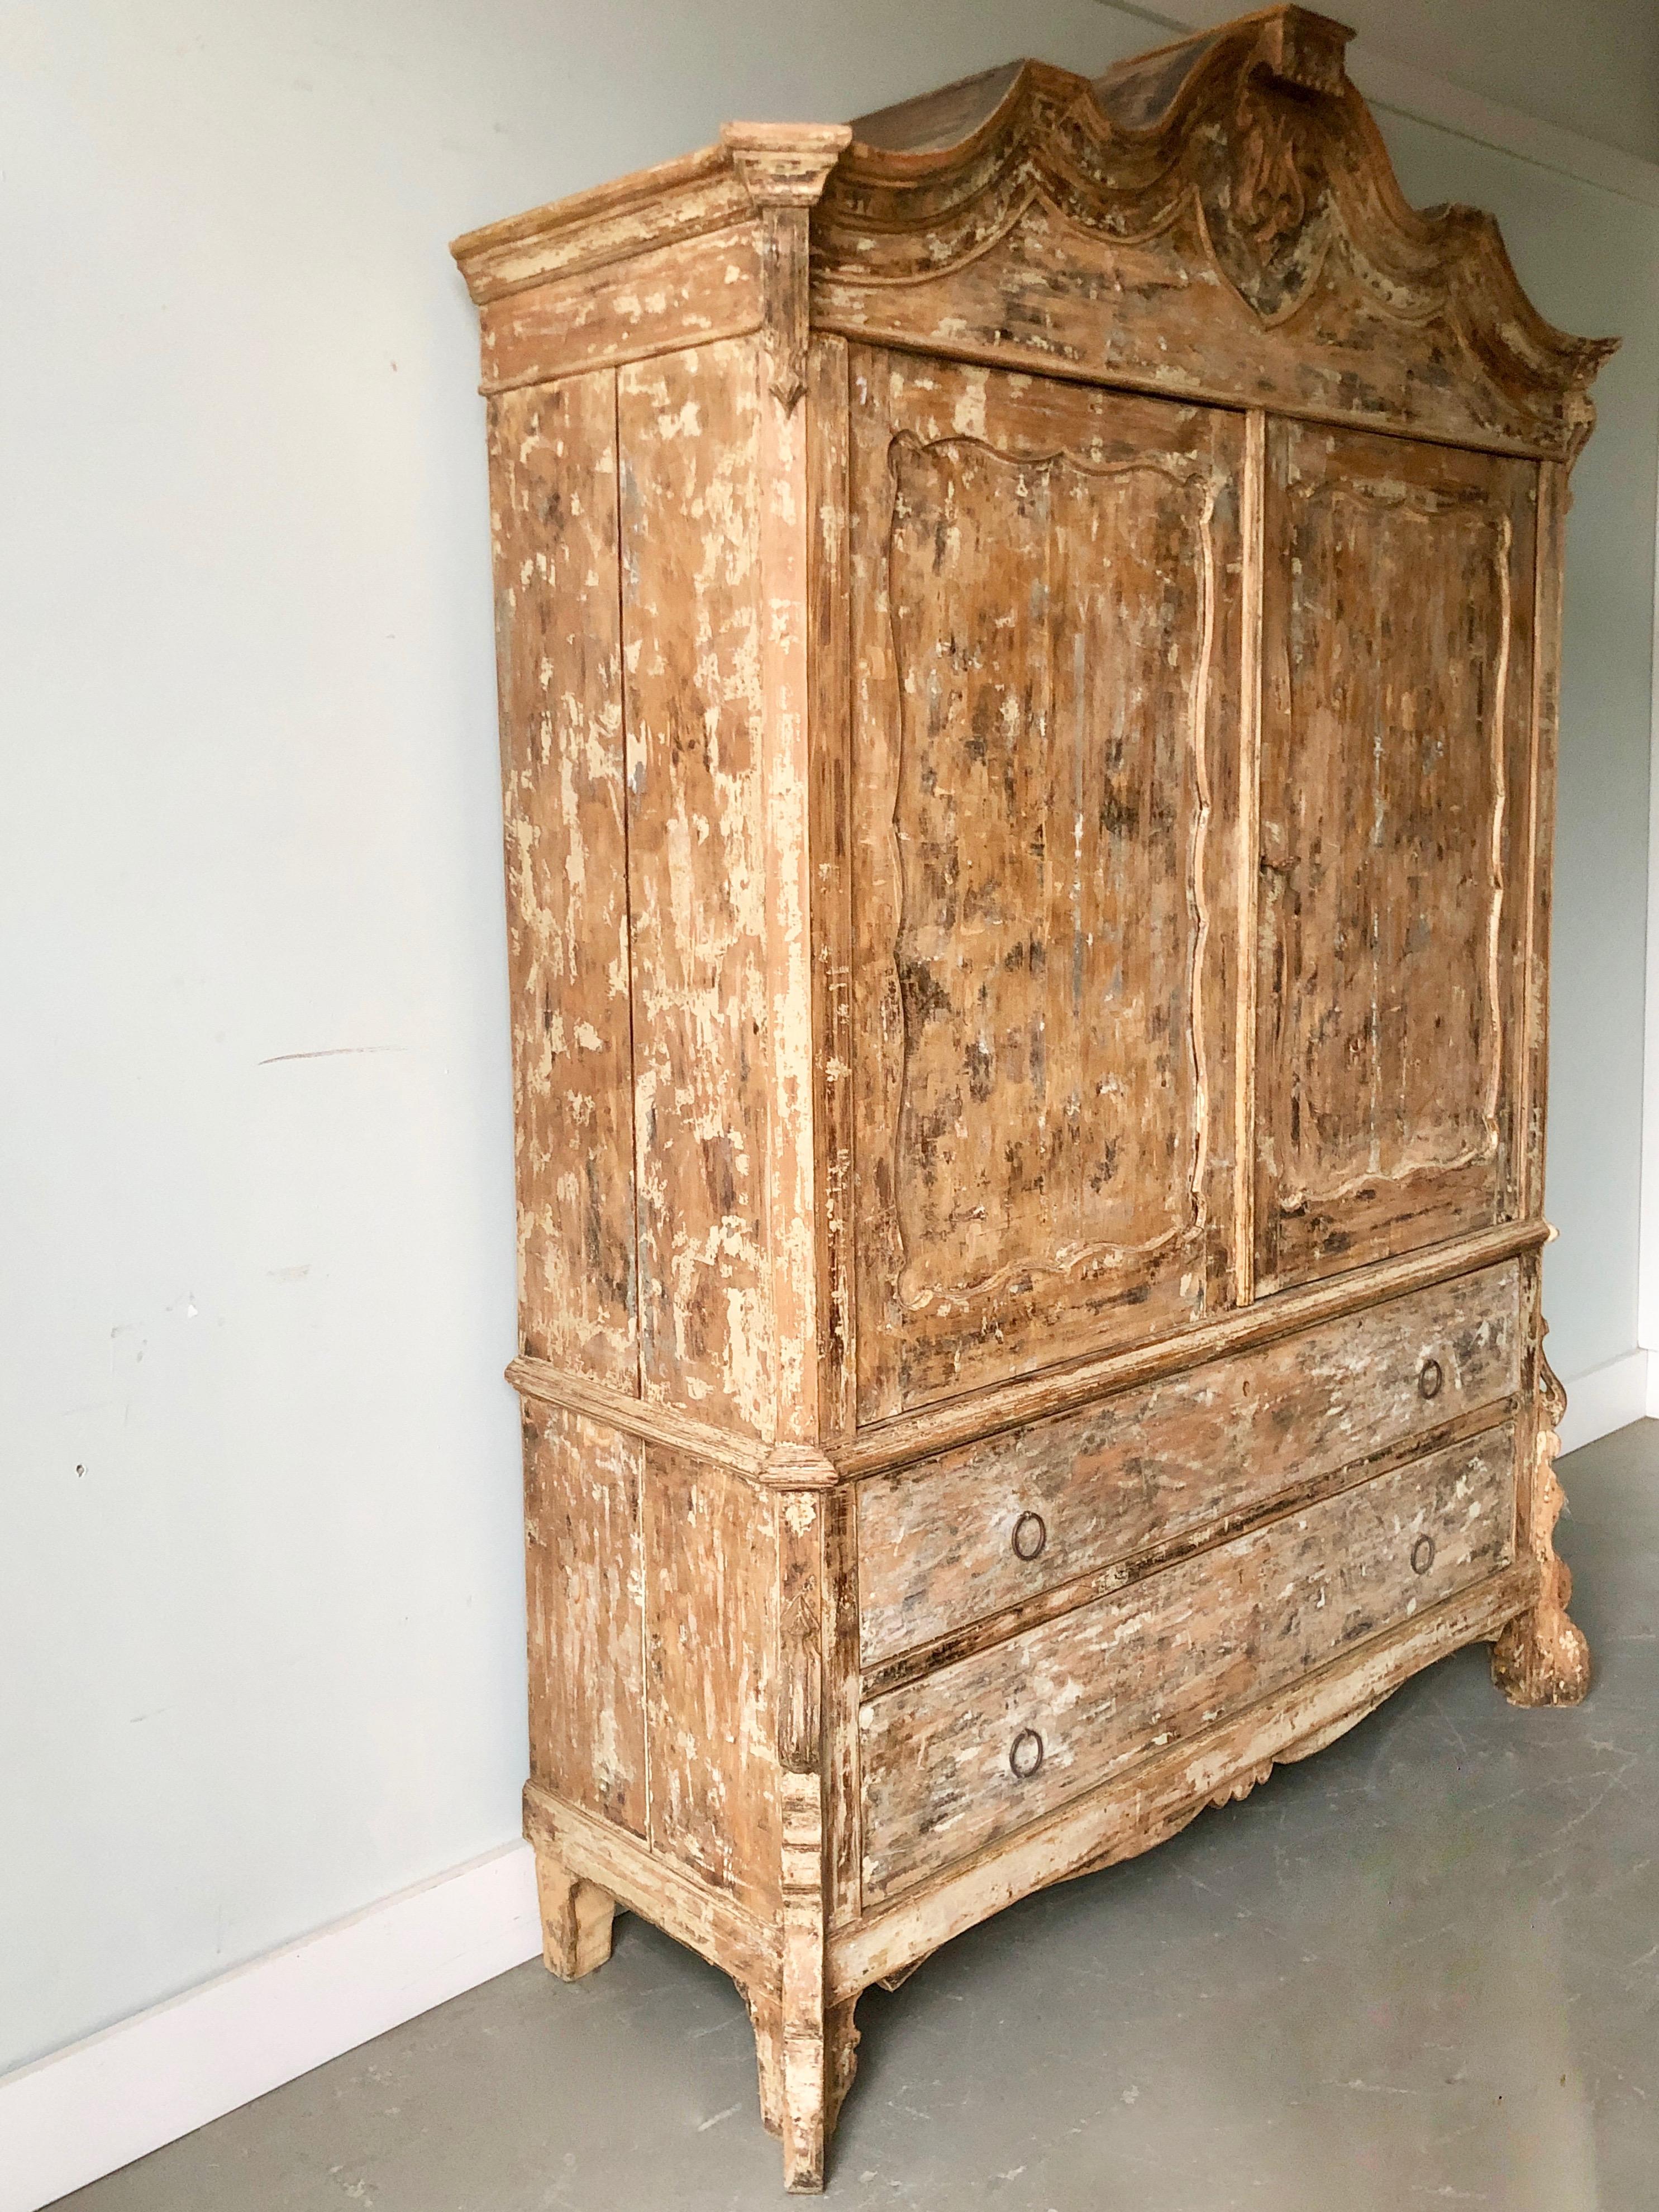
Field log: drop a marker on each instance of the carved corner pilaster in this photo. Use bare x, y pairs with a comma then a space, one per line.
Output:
1542, 1658
784, 168
803, 2066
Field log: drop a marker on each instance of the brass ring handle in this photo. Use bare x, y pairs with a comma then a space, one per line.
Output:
1422, 1555
1430, 1377
1031, 1534
1025, 1754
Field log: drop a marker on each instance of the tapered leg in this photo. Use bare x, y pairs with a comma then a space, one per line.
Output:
576, 1918
804, 2077
769, 2054
1542, 1658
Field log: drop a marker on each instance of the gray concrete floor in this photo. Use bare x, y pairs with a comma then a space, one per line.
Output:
1420, 1968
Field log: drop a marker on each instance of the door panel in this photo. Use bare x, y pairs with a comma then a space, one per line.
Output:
1396, 714
1046, 643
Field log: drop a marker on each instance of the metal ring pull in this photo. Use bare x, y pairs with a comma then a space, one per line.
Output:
1422, 1555
1031, 1534
1025, 1754
1430, 1377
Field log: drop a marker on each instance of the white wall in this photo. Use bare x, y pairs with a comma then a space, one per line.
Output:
259, 1589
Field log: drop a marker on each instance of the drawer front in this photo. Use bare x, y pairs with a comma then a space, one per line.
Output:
994, 1741
990, 1525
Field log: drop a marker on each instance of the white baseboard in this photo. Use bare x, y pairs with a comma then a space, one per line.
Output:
83, 2111
1606, 1399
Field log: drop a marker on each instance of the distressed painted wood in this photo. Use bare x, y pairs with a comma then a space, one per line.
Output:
553, 512
584, 1588
985, 1747
945, 1543
576, 1917
712, 1604
1217, 220
1121, 1818
689, 435
1395, 771
1046, 647
1029, 634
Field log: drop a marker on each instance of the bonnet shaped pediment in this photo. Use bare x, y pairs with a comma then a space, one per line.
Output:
1218, 219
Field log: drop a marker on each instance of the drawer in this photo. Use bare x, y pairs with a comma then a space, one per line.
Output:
994, 1741
989, 1525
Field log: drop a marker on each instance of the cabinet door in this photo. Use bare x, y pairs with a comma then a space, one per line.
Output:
1046, 641
1394, 808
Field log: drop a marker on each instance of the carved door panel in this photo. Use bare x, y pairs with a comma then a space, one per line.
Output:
1394, 810
1046, 641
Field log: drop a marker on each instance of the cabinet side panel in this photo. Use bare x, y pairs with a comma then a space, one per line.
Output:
584, 1593
554, 518
689, 431
711, 1579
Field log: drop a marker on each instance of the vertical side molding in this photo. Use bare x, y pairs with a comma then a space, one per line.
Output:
1549, 554
804, 2071
1252, 554
1541, 1657
830, 674
783, 168
800, 1786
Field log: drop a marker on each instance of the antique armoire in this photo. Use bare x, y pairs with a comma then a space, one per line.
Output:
1028, 657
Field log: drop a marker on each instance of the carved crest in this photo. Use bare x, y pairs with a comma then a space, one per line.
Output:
1091, 223
1269, 232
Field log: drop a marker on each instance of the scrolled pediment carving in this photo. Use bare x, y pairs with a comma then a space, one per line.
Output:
1034, 213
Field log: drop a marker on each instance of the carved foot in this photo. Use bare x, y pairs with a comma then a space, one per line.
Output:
576, 1917
805, 2071
1542, 1658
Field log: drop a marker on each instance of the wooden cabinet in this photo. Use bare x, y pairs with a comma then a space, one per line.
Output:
1027, 637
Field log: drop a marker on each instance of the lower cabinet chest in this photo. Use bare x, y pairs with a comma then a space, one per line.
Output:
1040, 1612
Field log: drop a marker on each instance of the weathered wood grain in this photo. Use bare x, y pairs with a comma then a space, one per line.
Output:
1045, 648
830, 694
1549, 571
1542, 1657
553, 512
709, 1921
842, 1679
1088, 1693
693, 623
991, 1629
940, 1544
671, 204
802, 2059
583, 1566
1133, 1812
576, 1917
1219, 223
1080, 1383
1396, 755
712, 1600
681, 295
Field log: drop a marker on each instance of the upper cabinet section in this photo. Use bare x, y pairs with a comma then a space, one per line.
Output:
1217, 221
